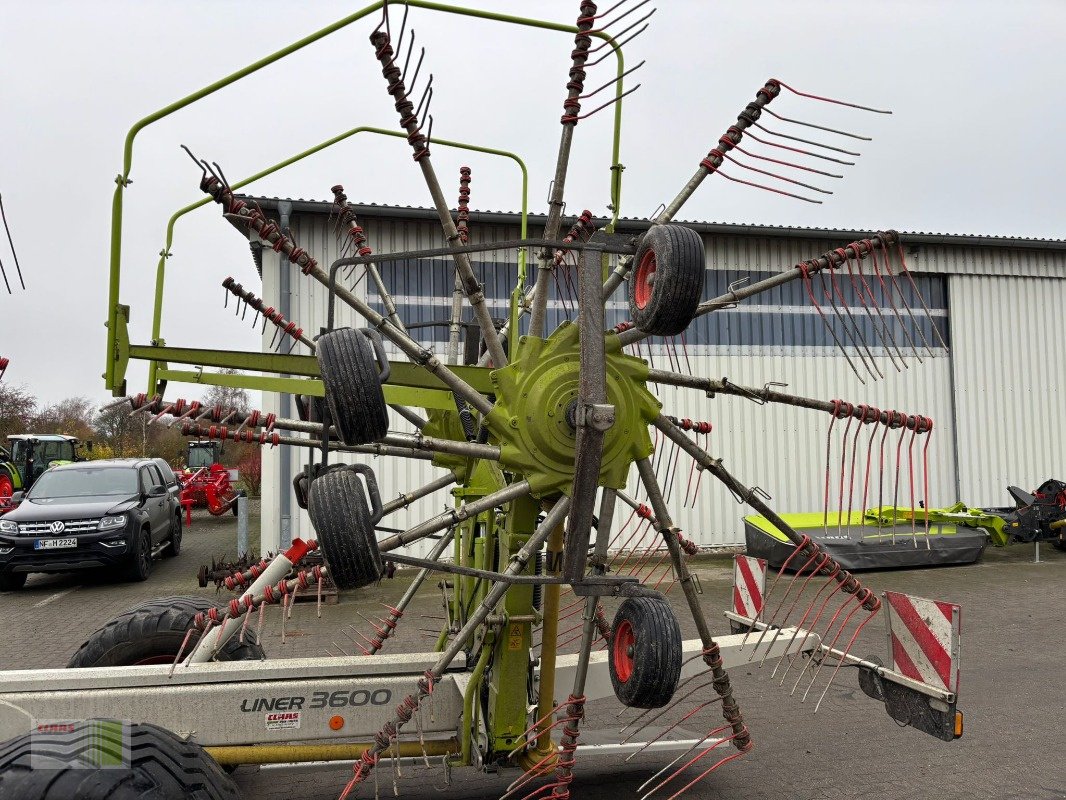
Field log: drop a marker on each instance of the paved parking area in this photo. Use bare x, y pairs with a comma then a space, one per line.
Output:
1013, 687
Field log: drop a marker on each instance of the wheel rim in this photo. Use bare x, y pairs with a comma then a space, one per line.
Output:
622, 645
7, 488
643, 288
146, 552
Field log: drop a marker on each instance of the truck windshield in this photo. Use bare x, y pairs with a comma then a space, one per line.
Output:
85, 483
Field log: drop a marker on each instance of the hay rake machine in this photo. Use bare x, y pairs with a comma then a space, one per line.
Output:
540, 435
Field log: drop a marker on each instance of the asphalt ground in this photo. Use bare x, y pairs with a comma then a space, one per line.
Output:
1013, 688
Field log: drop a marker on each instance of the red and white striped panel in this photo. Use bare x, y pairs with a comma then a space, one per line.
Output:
925, 639
749, 583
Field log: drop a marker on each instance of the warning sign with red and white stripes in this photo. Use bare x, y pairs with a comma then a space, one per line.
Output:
749, 583
925, 639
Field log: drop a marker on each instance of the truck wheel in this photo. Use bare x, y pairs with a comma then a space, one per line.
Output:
668, 282
339, 514
175, 538
645, 652
353, 386
161, 765
152, 633
12, 581
140, 565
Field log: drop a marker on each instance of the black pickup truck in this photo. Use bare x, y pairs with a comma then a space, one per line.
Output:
116, 513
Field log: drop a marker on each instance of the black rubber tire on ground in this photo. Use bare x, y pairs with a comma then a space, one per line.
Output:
667, 282
154, 631
353, 387
12, 581
644, 655
338, 509
139, 566
162, 767
172, 549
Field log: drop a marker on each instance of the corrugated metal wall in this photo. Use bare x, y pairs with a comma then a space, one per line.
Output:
1009, 365
778, 448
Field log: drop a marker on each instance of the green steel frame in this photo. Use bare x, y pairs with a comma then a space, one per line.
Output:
118, 314
485, 541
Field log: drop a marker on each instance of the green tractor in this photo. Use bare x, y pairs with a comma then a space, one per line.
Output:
28, 455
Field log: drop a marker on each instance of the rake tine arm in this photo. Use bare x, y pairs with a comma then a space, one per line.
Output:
411, 703
711, 655
832, 259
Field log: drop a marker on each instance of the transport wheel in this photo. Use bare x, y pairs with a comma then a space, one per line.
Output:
645, 652
338, 508
668, 281
300, 486
12, 581
175, 538
161, 765
7, 486
140, 567
353, 386
152, 633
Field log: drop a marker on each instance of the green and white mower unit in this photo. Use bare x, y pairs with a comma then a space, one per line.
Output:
28, 455
541, 440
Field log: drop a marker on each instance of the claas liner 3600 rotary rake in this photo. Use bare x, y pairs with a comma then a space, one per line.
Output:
541, 432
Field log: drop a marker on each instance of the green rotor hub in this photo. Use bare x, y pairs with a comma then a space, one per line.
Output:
534, 394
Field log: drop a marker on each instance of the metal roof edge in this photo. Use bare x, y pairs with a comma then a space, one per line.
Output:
720, 228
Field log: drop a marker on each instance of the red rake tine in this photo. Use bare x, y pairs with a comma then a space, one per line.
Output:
895, 289
788, 591
808, 283
678, 758
804, 542
668, 708
689, 763
811, 627
847, 619
669, 728
873, 612
800, 625
884, 332
704, 774
683, 683
820, 559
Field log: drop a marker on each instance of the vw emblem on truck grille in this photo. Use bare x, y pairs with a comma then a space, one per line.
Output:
57, 527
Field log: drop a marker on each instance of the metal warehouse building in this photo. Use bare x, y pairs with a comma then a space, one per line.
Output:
995, 394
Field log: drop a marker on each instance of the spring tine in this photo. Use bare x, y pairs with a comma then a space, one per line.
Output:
788, 591
856, 337
809, 284
876, 605
918, 294
820, 560
670, 727
812, 625
11, 244
843, 468
800, 625
773, 584
620, 17
806, 141
740, 149
876, 417
619, 40
418, 66
690, 762
755, 138
910, 470
890, 290
664, 769
722, 761
611, 102
767, 110
884, 332
847, 618
774, 175
768, 188
830, 100
673, 704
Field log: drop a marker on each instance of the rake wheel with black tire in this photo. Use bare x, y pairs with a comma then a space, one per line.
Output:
669, 268
644, 656
353, 386
153, 632
344, 525
62, 766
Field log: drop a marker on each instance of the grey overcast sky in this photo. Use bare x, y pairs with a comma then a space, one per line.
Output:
973, 145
